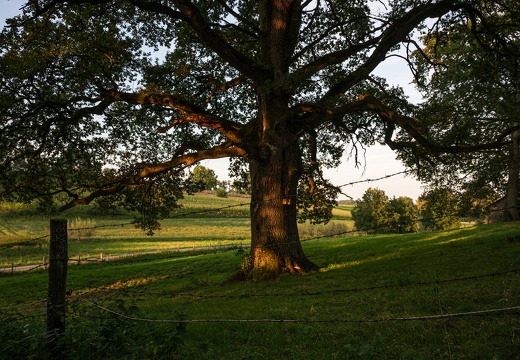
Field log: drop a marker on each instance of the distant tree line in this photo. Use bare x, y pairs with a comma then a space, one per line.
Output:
436, 209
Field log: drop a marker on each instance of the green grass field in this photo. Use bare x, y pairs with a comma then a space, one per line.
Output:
375, 297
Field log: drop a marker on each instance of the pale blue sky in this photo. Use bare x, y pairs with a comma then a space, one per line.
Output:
380, 160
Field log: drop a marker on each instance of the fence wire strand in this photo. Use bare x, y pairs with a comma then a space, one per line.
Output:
262, 246
487, 312
300, 294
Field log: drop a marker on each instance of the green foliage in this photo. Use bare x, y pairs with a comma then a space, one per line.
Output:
222, 193
316, 201
403, 215
371, 213
96, 332
439, 209
375, 213
239, 171
471, 84
23, 339
152, 201
204, 178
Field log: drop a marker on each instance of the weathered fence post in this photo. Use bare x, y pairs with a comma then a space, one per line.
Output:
58, 258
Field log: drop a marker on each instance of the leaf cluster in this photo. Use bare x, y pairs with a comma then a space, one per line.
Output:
468, 73
376, 213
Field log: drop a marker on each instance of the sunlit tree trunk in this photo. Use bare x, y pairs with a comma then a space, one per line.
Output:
275, 246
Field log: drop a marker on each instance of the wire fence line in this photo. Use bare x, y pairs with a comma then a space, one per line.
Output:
102, 258
485, 312
210, 247
226, 207
303, 293
384, 177
478, 313
203, 211
13, 312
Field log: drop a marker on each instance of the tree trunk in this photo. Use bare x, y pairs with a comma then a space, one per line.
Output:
276, 164
511, 207
275, 243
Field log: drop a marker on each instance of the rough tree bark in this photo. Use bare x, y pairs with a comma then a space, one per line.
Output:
277, 166
276, 246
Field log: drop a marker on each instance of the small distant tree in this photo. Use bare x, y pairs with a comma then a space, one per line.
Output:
439, 209
403, 215
221, 192
370, 213
204, 178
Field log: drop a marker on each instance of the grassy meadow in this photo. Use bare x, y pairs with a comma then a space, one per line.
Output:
375, 297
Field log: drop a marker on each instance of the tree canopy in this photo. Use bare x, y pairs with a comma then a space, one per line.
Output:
376, 213
204, 178
439, 208
471, 81
116, 98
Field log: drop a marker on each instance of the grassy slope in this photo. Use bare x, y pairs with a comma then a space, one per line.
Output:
116, 235
23, 239
362, 278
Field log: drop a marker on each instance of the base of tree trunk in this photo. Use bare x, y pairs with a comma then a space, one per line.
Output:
271, 267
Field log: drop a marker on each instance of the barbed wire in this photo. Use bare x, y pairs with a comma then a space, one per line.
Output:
196, 212
374, 230
384, 177
303, 293
487, 312
353, 231
250, 203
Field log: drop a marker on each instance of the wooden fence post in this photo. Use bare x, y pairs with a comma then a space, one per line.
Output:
58, 259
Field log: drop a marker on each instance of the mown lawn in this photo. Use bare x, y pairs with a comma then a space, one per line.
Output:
371, 300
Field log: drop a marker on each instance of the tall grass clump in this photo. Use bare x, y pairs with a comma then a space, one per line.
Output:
94, 331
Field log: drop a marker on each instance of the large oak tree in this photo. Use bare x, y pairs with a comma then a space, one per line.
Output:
280, 86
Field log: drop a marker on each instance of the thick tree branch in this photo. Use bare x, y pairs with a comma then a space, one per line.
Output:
191, 112
318, 115
418, 131
323, 36
332, 58
241, 18
391, 37
212, 40
144, 171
